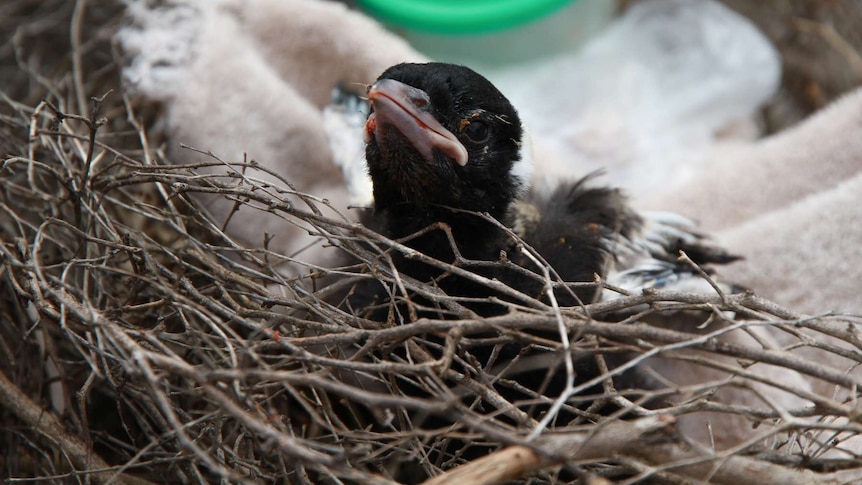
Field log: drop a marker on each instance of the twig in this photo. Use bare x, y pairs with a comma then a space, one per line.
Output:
567, 354
44, 422
520, 461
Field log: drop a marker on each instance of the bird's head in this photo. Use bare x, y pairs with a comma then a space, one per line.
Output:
443, 135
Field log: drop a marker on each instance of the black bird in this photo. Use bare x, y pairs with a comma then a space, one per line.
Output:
443, 144
445, 148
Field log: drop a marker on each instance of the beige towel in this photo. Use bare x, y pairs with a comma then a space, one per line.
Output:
249, 79
792, 205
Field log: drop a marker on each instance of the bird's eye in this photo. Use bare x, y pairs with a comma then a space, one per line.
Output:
477, 131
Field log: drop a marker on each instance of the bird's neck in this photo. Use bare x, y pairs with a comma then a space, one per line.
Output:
475, 237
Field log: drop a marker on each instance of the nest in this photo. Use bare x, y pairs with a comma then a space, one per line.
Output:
141, 344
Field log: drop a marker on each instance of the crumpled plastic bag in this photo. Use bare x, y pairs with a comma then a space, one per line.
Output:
649, 94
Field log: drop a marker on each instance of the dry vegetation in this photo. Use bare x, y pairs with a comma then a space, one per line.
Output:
140, 344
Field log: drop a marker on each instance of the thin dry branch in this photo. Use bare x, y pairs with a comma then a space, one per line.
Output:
90, 464
182, 355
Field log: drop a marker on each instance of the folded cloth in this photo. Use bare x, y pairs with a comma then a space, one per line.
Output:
789, 204
248, 80
806, 255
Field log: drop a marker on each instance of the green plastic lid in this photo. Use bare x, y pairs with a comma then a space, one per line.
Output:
460, 16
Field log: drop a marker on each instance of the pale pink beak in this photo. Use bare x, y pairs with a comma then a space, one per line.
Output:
401, 106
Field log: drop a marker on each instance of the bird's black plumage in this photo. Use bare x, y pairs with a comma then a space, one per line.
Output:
413, 190
462, 162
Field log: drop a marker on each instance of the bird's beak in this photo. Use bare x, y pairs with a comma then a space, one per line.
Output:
406, 108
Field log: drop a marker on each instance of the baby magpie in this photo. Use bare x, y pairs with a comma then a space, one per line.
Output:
446, 150
443, 144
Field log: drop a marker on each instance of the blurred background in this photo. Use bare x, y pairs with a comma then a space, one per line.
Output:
819, 41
